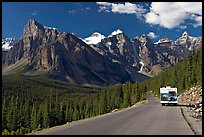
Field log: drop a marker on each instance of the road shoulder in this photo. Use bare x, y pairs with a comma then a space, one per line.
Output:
194, 123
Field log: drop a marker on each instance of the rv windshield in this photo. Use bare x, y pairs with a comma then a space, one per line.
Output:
164, 96
172, 93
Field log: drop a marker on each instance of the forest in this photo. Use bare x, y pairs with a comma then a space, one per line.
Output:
33, 103
183, 75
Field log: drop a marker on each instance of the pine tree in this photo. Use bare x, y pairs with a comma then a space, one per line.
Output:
71, 110
57, 116
39, 118
103, 103
112, 102
26, 114
126, 90
137, 90
4, 114
134, 95
67, 114
76, 114
61, 113
96, 105
33, 118
51, 110
11, 121
46, 119
120, 95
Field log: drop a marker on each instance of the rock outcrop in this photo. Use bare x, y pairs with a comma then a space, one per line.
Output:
192, 98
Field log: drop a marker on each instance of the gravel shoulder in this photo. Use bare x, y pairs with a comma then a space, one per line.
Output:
194, 123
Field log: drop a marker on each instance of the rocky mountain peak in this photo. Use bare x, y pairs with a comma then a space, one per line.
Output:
144, 39
116, 32
32, 28
185, 34
34, 24
164, 40
184, 39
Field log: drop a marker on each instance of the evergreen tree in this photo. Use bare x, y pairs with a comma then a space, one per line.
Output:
71, 110
39, 118
120, 95
26, 114
46, 119
76, 114
126, 90
4, 114
103, 103
11, 121
96, 105
112, 102
56, 115
33, 118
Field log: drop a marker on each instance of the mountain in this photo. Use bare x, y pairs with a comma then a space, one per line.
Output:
118, 48
177, 50
189, 42
61, 55
142, 55
96, 59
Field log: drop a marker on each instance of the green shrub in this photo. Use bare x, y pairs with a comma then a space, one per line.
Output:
13, 133
5, 132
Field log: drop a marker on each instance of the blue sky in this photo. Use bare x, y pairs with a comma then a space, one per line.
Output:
83, 18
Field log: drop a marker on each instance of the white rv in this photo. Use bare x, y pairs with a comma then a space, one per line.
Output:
168, 95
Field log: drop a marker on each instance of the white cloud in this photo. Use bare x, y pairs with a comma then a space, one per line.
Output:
183, 26
104, 3
126, 8
165, 14
104, 9
198, 20
80, 9
152, 35
172, 14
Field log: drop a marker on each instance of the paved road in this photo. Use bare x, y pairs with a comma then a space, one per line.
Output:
147, 119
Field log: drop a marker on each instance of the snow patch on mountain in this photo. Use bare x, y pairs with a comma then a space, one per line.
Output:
116, 32
95, 38
7, 43
163, 40
141, 66
46, 27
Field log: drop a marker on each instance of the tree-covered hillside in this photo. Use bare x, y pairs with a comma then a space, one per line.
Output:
33, 103
183, 75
